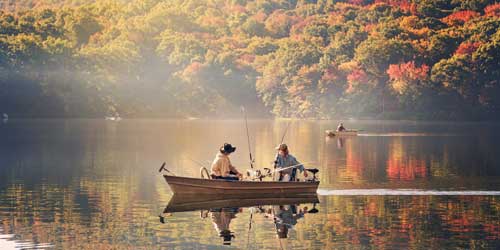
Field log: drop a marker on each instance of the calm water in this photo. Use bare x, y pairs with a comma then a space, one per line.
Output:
88, 184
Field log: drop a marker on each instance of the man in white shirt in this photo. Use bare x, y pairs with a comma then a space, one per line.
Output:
222, 167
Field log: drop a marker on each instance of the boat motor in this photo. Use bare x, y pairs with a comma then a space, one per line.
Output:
314, 171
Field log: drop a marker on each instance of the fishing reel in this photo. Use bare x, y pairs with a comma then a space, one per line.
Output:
258, 174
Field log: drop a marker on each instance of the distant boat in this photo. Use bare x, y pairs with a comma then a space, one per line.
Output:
113, 118
5, 117
341, 133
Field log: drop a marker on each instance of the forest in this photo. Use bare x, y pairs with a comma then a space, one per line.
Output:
308, 59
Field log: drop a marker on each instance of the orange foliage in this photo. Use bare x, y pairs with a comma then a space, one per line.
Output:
335, 18
460, 17
404, 5
370, 27
213, 21
492, 10
410, 169
407, 70
192, 69
467, 48
260, 16
236, 8
247, 58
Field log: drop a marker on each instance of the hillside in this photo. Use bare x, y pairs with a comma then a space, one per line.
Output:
420, 59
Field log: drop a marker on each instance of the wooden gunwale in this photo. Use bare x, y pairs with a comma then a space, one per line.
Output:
195, 185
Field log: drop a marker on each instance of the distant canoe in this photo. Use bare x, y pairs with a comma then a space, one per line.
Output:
186, 185
343, 133
183, 203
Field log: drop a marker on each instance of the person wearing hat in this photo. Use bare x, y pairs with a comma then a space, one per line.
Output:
340, 127
222, 167
221, 218
284, 160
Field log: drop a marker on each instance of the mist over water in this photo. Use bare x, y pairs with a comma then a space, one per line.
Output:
75, 184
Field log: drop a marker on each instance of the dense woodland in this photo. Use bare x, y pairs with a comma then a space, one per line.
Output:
412, 59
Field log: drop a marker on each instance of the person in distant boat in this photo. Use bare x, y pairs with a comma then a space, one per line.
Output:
340, 127
284, 160
222, 167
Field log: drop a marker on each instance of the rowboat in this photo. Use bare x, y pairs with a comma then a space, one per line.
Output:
341, 133
198, 186
183, 203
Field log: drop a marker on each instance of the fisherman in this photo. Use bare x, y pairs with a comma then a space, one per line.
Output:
286, 217
222, 167
285, 160
340, 127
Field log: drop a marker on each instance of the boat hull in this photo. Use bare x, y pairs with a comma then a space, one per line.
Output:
343, 133
185, 203
186, 185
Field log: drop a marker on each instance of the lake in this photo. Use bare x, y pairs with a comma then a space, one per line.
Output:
94, 184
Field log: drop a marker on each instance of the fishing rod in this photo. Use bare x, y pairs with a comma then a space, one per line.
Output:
197, 162
281, 169
249, 228
281, 142
248, 137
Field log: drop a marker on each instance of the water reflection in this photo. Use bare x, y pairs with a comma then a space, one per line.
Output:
284, 212
86, 184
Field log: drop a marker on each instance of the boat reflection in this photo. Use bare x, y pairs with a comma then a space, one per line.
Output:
285, 212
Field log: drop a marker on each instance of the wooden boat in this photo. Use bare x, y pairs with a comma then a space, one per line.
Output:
183, 203
342, 133
187, 185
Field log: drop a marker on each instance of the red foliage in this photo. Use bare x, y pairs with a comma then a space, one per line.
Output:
492, 10
460, 17
407, 71
406, 75
467, 48
355, 78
